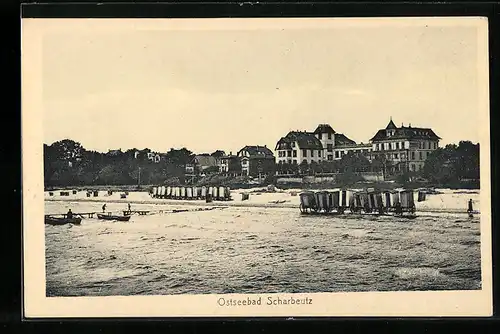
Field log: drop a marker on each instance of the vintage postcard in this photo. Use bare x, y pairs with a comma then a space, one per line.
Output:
256, 167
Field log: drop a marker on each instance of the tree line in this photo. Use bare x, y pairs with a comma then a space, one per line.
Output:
68, 163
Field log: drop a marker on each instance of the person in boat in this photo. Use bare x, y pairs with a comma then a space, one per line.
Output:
69, 215
104, 207
129, 207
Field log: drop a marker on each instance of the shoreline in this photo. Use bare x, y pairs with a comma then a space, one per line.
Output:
232, 203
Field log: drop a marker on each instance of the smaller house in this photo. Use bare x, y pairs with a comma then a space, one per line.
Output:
200, 163
230, 164
148, 155
256, 160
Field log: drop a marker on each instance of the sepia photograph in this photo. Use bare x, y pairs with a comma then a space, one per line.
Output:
256, 167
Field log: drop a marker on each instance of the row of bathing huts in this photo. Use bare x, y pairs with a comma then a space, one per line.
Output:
192, 193
359, 201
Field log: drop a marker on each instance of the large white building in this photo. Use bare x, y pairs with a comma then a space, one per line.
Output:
324, 144
404, 148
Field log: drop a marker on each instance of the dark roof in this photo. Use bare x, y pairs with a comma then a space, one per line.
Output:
391, 125
258, 151
305, 140
324, 128
218, 154
405, 132
342, 140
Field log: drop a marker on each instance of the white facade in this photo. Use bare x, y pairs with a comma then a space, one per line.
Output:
297, 155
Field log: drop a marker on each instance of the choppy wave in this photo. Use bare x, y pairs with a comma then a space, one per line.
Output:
249, 250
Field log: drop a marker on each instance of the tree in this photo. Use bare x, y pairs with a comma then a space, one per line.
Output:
354, 163
68, 150
179, 157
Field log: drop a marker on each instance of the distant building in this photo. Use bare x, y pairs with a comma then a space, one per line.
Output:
256, 160
298, 146
218, 157
200, 164
230, 164
322, 144
147, 154
403, 148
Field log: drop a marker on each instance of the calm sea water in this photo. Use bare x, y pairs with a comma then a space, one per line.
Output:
252, 250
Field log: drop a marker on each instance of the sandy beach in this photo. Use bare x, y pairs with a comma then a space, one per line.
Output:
447, 201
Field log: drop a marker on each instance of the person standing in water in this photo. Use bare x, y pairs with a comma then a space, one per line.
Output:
104, 207
69, 214
470, 208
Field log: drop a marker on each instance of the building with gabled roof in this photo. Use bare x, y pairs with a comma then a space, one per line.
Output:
256, 160
403, 148
324, 143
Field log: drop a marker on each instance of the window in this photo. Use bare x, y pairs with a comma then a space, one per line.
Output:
289, 153
294, 161
304, 153
396, 156
420, 155
329, 147
412, 155
330, 157
337, 155
319, 153
312, 153
412, 167
304, 161
294, 154
329, 136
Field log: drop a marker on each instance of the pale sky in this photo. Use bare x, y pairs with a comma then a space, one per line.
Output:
224, 89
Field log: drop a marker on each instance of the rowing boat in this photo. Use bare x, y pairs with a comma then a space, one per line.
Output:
113, 217
62, 221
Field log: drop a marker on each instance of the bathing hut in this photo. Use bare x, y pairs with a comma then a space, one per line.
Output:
395, 198
196, 192
308, 202
335, 198
324, 201
227, 194
222, 194
168, 192
96, 193
407, 200
155, 192
189, 193
177, 193
203, 193
421, 196
386, 199
163, 191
